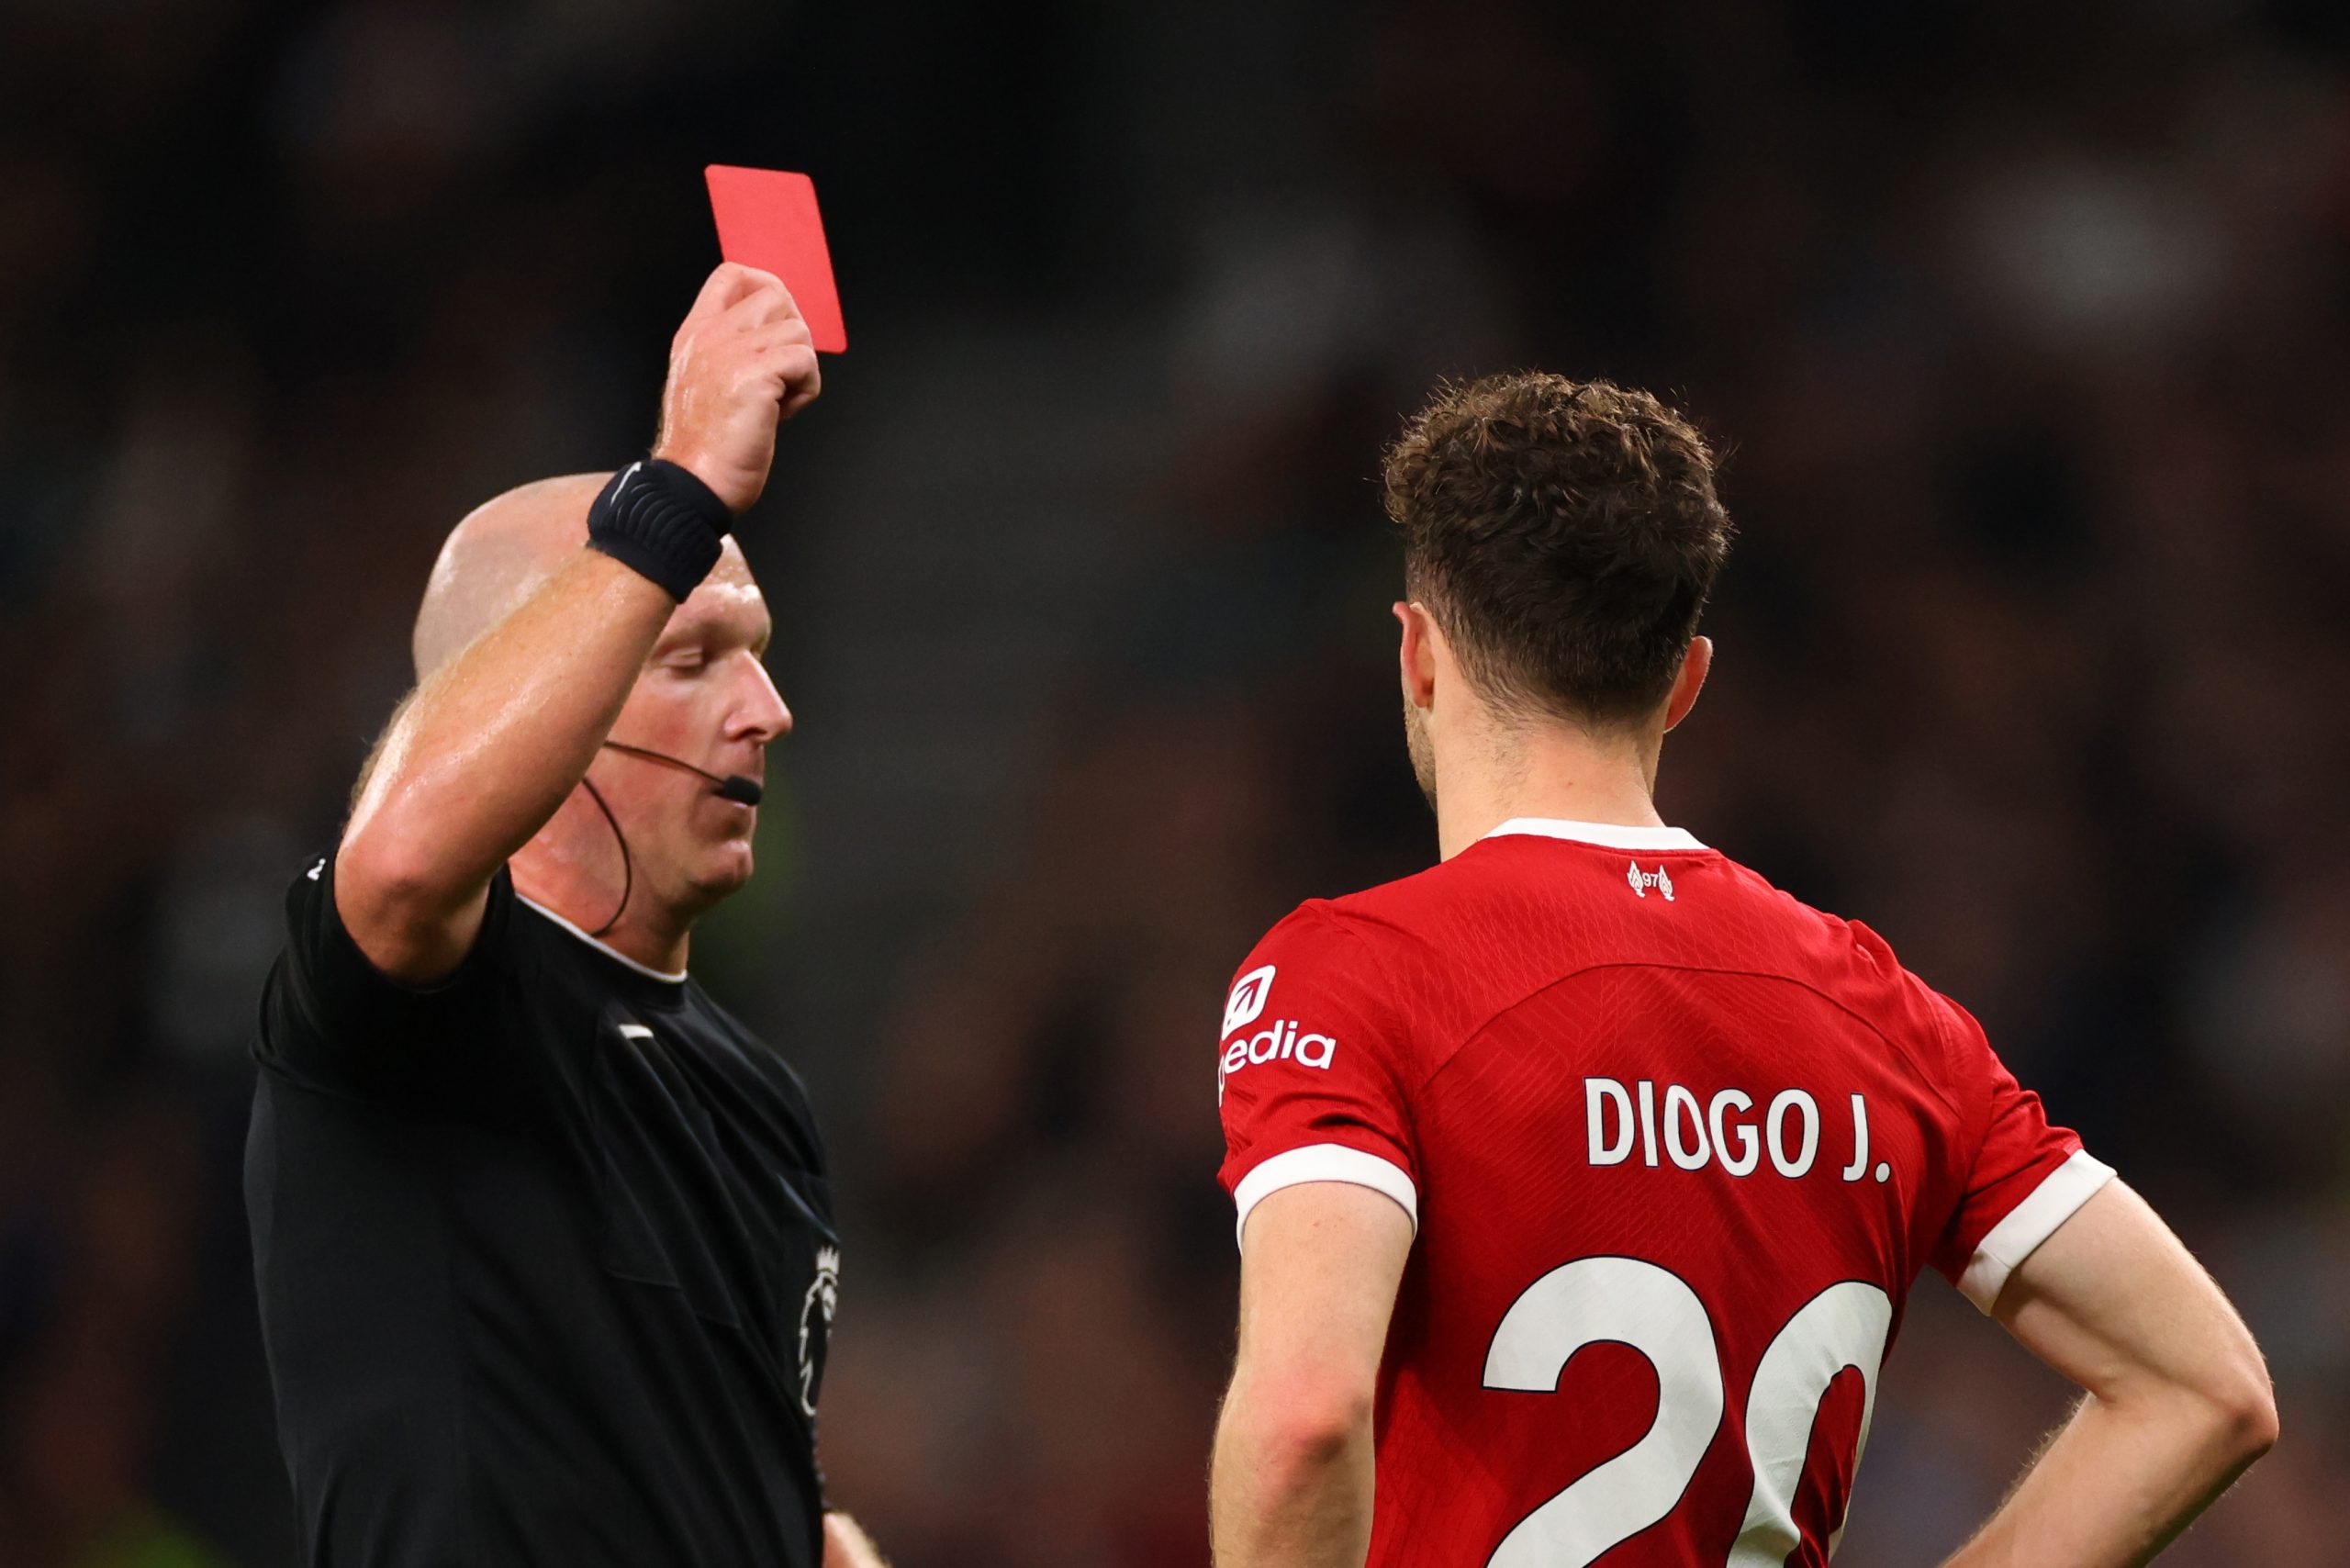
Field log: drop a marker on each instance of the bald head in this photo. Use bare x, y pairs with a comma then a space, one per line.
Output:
494, 559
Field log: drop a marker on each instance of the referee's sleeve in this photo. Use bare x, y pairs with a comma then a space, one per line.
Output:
334, 1020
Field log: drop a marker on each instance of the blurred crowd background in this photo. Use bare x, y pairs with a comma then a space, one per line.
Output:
2025, 328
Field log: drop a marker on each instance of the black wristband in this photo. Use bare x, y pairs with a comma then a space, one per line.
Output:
661, 522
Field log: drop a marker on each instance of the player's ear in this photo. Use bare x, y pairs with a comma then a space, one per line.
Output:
1415, 654
1690, 681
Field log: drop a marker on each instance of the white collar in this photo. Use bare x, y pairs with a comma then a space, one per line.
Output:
648, 971
1607, 836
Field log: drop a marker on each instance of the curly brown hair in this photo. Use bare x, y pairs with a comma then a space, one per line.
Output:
1564, 534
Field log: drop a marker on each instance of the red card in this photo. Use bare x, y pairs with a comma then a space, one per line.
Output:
767, 219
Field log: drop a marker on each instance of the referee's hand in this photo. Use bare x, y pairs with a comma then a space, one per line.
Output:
847, 1546
740, 361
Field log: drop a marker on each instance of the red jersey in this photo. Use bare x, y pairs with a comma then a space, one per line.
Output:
1676, 1145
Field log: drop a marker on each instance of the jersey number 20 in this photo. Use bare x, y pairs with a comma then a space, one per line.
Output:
1624, 1300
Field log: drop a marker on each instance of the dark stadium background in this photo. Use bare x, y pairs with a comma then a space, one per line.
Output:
2026, 327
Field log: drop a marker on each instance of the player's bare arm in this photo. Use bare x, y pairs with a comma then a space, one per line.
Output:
493, 742
2177, 1403
1291, 1484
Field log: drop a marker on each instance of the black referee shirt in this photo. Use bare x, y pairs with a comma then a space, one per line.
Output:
545, 1255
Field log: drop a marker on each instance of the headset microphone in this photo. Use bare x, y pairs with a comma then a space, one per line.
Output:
733, 787
740, 790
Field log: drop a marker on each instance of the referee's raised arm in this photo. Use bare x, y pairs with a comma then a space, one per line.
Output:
502, 727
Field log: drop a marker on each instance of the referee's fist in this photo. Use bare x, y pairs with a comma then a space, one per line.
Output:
740, 361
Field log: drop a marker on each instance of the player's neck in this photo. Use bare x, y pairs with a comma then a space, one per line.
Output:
1557, 773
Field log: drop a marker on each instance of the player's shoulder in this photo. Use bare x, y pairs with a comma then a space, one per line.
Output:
1854, 969
1429, 952
1321, 936
1391, 922
1372, 955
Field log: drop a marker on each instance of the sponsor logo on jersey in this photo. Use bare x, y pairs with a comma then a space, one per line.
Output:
1279, 1042
1643, 881
1247, 1000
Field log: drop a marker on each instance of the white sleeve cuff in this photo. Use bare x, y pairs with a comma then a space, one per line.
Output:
1325, 1162
2029, 1224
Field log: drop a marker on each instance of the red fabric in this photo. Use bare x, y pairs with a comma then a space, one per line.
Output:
1467, 1009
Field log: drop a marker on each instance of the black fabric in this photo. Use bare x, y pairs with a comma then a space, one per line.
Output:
662, 522
545, 1256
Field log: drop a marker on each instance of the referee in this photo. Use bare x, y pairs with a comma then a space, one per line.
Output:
543, 1236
